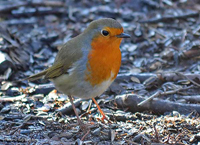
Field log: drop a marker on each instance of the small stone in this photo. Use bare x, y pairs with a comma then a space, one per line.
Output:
51, 18
78, 142
1, 117
24, 131
38, 96
6, 109
176, 113
104, 143
132, 48
64, 140
67, 134
84, 105
181, 101
6, 85
96, 132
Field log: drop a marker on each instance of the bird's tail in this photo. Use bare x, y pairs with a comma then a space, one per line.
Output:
37, 76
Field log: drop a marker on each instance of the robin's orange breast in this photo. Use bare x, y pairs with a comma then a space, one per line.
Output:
104, 60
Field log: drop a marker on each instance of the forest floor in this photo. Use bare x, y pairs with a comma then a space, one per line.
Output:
154, 100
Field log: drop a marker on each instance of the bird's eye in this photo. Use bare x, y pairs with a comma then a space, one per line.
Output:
104, 32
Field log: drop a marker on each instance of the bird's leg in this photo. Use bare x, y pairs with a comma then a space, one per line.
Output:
102, 113
82, 125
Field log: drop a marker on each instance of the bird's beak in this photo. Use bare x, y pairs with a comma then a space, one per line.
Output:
123, 35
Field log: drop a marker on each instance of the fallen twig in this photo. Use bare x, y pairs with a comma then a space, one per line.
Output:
182, 75
158, 106
150, 98
170, 18
160, 93
12, 99
162, 77
6, 9
192, 99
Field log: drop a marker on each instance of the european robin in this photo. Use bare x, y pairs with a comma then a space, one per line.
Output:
86, 65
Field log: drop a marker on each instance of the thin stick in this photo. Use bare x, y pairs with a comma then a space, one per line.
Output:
149, 98
195, 83
74, 108
160, 93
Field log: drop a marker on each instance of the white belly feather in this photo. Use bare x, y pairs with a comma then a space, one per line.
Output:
71, 85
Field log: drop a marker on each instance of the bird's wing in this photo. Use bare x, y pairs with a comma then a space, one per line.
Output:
64, 61
36, 76
55, 71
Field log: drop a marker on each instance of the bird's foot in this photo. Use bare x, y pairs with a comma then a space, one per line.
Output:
105, 118
102, 113
85, 128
